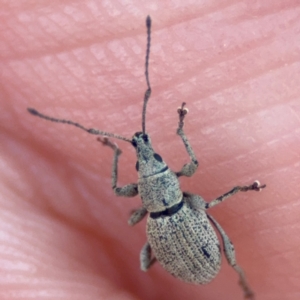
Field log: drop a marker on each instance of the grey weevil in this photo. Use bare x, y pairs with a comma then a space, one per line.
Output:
179, 230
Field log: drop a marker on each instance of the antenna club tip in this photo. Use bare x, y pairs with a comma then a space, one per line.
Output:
148, 21
32, 111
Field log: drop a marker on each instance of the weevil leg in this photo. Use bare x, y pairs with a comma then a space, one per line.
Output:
137, 216
145, 258
129, 190
253, 187
190, 168
230, 256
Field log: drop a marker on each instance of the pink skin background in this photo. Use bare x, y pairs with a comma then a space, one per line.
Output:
63, 232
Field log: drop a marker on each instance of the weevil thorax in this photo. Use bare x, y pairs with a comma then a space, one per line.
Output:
158, 186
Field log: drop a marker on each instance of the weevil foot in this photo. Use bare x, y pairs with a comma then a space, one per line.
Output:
182, 111
248, 294
255, 186
106, 142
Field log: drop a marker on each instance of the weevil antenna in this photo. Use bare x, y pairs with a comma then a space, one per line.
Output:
148, 91
88, 130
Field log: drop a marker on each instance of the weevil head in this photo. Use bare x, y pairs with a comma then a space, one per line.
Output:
148, 162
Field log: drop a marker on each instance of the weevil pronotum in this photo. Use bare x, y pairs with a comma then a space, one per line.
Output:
179, 230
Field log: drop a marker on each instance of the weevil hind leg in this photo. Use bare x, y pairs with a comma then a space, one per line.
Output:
146, 258
230, 256
190, 168
129, 190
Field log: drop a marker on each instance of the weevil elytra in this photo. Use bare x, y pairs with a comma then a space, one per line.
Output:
180, 235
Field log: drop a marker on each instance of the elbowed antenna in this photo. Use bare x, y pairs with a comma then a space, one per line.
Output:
88, 130
148, 91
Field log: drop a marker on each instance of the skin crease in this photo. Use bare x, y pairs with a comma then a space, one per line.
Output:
64, 234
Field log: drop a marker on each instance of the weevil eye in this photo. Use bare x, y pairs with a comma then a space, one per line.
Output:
145, 138
134, 144
137, 166
157, 157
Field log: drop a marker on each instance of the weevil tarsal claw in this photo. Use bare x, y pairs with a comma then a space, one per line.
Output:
182, 111
257, 186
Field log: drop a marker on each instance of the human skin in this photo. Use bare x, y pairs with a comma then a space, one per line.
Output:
64, 233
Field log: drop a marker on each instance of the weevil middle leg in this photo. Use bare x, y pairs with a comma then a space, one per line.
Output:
137, 215
197, 202
255, 186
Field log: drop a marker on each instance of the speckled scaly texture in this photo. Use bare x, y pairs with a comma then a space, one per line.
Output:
186, 245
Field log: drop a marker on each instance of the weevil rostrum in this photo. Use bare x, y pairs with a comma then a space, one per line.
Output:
180, 233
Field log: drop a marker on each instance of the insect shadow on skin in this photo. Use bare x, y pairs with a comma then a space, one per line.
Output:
180, 235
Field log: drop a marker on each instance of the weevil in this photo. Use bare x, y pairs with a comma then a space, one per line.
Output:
181, 235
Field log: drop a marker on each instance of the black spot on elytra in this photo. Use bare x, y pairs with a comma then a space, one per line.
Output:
205, 252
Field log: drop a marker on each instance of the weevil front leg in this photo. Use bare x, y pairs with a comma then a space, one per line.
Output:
145, 257
129, 190
253, 187
190, 168
230, 256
